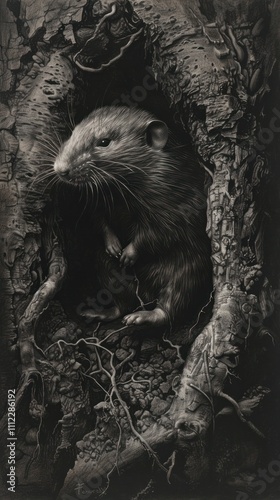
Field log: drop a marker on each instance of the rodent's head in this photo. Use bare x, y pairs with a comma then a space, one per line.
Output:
112, 144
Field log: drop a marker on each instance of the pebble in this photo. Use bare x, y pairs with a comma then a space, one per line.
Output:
159, 406
121, 354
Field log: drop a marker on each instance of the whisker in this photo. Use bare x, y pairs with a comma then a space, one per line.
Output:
49, 141
116, 183
40, 180
101, 187
102, 192
110, 192
113, 178
85, 206
81, 194
48, 138
49, 164
50, 184
123, 164
141, 202
58, 137
97, 193
44, 175
51, 154
49, 150
162, 181
91, 190
70, 110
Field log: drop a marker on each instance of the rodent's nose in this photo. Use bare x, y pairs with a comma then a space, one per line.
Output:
61, 168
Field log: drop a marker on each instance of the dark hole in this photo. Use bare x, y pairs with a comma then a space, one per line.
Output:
231, 186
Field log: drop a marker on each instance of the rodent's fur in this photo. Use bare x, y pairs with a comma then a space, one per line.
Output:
151, 193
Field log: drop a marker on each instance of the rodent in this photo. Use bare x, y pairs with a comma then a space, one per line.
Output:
151, 205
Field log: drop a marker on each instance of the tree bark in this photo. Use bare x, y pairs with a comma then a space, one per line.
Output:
215, 63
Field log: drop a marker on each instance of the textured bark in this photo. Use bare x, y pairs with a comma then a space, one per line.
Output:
213, 62
228, 71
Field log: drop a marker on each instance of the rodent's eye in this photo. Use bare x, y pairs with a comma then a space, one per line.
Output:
103, 142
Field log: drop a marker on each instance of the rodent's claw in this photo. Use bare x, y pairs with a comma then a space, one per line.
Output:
128, 256
112, 244
114, 251
155, 317
129, 320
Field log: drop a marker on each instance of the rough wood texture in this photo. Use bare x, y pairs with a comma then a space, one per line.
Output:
219, 72
213, 61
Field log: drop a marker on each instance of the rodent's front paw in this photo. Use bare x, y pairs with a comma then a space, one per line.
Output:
112, 245
129, 255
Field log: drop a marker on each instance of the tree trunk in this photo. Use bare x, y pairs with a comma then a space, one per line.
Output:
155, 412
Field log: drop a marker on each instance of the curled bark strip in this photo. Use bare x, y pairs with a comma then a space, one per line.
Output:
39, 302
116, 58
101, 41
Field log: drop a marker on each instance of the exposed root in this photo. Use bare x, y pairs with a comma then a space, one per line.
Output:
174, 346
171, 461
206, 364
202, 311
98, 345
142, 305
145, 491
240, 415
204, 394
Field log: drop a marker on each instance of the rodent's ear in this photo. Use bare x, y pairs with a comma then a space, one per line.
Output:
157, 134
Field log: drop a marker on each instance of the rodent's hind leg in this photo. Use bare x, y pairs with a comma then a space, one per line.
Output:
156, 317
106, 315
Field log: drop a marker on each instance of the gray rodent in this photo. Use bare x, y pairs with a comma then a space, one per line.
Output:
150, 194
